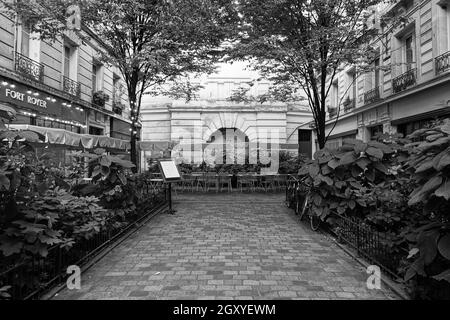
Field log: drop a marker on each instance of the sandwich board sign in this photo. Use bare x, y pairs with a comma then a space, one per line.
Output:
169, 170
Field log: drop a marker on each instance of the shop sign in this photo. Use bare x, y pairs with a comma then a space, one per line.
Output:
20, 95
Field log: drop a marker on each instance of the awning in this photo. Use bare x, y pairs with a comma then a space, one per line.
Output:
156, 145
68, 138
7, 112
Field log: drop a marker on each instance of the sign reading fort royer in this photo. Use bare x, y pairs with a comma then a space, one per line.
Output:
169, 170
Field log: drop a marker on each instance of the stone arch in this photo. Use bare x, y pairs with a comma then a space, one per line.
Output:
212, 124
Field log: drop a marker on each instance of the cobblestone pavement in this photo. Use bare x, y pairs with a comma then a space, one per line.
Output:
226, 246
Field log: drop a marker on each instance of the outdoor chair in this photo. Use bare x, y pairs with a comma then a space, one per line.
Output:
225, 180
245, 182
267, 182
189, 182
211, 181
255, 182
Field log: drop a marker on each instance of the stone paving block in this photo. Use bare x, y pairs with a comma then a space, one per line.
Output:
226, 246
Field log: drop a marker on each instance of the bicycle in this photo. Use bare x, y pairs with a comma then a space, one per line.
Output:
303, 208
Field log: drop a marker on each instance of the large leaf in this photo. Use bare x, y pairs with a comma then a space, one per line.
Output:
363, 162
443, 276
439, 142
383, 147
444, 246
428, 246
444, 161
124, 163
105, 161
333, 163
416, 268
323, 156
347, 158
427, 164
313, 170
375, 152
327, 180
443, 191
381, 167
419, 195
10, 246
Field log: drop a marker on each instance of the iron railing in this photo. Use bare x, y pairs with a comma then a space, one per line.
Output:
349, 105
373, 246
72, 87
118, 108
332, 112
28, 67
372, 95
404, 81
33, 277
443, 63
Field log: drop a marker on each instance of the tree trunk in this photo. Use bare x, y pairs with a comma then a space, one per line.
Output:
134, 155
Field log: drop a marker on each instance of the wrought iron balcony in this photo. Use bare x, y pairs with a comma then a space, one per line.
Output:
71, 87
118, 108
404, 81
372, 95
349, 105
442, 63
332, 112
28, 67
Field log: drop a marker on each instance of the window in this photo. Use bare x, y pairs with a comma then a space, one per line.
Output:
333, 144
387, 46
335, 103
409, 52
353, 79
96, 76
25, 43
96, 131
375, 131
407, 128
67, 58
444, 27
377, 72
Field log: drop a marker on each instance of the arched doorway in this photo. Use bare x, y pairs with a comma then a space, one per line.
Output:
228, 146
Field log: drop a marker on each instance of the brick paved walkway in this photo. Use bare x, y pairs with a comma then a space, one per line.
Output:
226, 247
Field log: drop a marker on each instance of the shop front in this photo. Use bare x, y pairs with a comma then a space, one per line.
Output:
60, 123
38, 108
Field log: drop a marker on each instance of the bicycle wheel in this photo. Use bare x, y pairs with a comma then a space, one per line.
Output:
315, 222
304, 207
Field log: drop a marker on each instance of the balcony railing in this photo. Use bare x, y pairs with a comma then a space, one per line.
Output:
372, 95
71, 87
29, 67
404, 81
349, 105
332, 112
118, 108
443, 63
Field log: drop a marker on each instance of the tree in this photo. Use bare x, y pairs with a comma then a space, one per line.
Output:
152, 42
303, 44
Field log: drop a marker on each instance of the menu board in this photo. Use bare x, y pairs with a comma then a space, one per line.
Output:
169, 170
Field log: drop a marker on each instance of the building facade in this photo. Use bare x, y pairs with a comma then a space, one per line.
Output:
410, 82
212, 120
63, 85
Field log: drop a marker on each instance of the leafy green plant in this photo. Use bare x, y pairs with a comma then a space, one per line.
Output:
55, 218
342, 179
429, 238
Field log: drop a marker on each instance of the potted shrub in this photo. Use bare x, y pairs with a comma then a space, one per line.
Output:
99, 98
